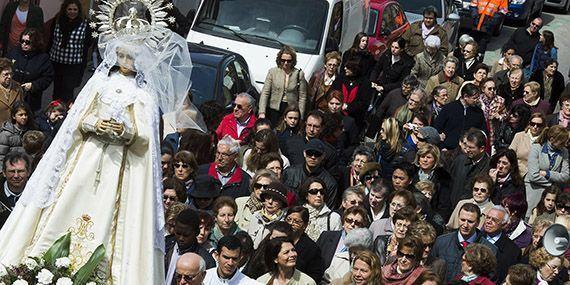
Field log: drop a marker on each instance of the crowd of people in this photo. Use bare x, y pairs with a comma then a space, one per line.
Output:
424, 165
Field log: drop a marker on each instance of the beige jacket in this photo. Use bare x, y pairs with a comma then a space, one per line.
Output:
452, 85
274, 90
521, 146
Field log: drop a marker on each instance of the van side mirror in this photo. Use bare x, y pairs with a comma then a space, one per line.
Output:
453, 17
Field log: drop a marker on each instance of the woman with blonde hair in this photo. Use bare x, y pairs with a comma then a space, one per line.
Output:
365, 270
284, 86
547, 266
523, 140
531, 98
389, 146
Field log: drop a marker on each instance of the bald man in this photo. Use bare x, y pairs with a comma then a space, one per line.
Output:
190, 269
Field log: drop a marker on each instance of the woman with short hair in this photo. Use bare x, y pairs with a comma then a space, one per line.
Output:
225, 209
313, 195
10, 90
532, 99
546, 265
477, 264
406, 268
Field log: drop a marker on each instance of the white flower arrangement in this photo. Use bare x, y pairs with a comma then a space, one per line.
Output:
31, 263
20, 282
45, 277
3, 271
63, 262
64, 281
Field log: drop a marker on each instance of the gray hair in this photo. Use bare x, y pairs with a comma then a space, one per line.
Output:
354, 190
452, 59
231, 143
359, 237
502, 209
421, 92
515, 56
202, 265
432, 41
465, 39
250, 99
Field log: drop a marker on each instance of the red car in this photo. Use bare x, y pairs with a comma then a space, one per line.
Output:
386, 22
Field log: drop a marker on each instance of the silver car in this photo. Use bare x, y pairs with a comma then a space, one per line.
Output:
448, 16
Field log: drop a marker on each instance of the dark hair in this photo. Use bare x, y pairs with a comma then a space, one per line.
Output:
401, 42
507, 46
15, 156
540, 207
229, 242
272, 249
427, 276
407, 195
356, 42
357, 210
564, 97
282, 126
548, 40
517, 205
36, 38
5, 64
212, 112
190, 218
304, 188
480, 258
332, 123
301, 210
268, 158
524, 113
421, 116
407, 167
407, 213
511, 156
281, 226
33, 141
188, 157
483, 178
362, 150
481, 65
261, 122
206, 219
270, 142
414, 244
66, 3
471, 208
55, 106
171, 183
381, 185
477, 137
411, 80
21, 105
563, 198
470, 90
430, 10
246, 244
354, 66
317, 114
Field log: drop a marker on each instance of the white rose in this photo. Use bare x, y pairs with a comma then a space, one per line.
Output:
30, 263
89, 283
20, 282
44, 276
64, 281
63, 262
3, 271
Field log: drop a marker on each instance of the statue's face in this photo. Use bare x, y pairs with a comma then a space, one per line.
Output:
125, 60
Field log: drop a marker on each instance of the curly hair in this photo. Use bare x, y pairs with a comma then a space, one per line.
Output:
480, 258
521, 274
540, 258
426, 149
286, 50
422, 230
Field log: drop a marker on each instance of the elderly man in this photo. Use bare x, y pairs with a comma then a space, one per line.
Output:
508, 253
513, 89
225, 172
525, 39
313, 152
239, 124
515, 62
228, 255
16, 169
429, 62
190, 269
451, 246
419, 30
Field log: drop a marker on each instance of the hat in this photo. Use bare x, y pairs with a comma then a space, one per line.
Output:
367, 168
277, 191
205, 188
315, 145
430, 134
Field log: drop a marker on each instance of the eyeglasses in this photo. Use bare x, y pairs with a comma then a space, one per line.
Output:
563, 207
292, 221
355, 222
286, 60
491, 88
26, 42
180, 164
552, 267
223, 155
313, 153
187, 278
407, 256
315, 191
260, 186
370, 177
482, 190
534, 124
238, 106
171, 198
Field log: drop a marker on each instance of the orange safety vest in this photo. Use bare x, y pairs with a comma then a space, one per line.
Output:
488, 8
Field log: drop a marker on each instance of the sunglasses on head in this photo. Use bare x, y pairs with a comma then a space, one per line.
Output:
313, 153
260, 186
180, 164
407, 256
315, 191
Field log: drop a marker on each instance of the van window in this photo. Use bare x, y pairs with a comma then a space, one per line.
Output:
388, 22
335, 28
242, 77
271, 23
399, 16
372, 22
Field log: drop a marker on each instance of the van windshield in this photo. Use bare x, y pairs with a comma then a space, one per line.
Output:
418, 6
271, 23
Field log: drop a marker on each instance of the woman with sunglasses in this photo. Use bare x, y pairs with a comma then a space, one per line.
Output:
284, 86
406, 268
185, 169
386, 245
424, 232
274, 199
524, 139
313, 195
482, 189
246, 206
477, 264
32, 67
505, 130
173, 192
546, 265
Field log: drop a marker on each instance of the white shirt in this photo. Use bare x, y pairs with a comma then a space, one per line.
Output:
172, 265
22, 15
494, 239
212, 278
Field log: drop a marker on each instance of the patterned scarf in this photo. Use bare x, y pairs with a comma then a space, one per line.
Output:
253, 204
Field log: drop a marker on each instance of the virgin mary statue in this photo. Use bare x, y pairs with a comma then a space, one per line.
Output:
100, 180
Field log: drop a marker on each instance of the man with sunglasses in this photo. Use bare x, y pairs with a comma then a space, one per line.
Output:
240, 123
525, 39
312, 166
190, 269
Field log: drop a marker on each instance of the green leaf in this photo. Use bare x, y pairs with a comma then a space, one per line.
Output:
60, 248
83, 274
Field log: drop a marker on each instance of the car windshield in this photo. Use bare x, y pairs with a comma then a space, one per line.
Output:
272, 23
203, 83
417, 6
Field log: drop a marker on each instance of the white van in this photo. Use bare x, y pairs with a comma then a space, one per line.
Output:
257, 29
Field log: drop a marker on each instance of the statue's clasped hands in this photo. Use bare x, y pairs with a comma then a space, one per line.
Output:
111, 127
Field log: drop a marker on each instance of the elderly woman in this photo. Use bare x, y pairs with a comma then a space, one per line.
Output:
482, 191
356, 240
392, 67
281, 259
313, 194
185, 169
477, 264
440, 97
397, 200
32, 67
447, 78
322, 80
429, 62
468, 61
274, 199
406, 268
425, 232
249, 205
264, 141
505, 174
531, 98
364, 270
551, 82
547, 163
523, 140
350, 174
546, 265
284, 85
10, 90
386, 245
538, 230
225, 209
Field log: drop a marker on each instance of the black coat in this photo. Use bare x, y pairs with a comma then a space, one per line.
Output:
309, 260
557, 86
35, 20
294, 146
34, 67
197, 249
359, 106
440, 201
508, 253
294, 176
504, 90
463, 171
525, 43
327, 242
388, 75
364, 58
6, 204
504, 134
508, 188
453, 123
463, 71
